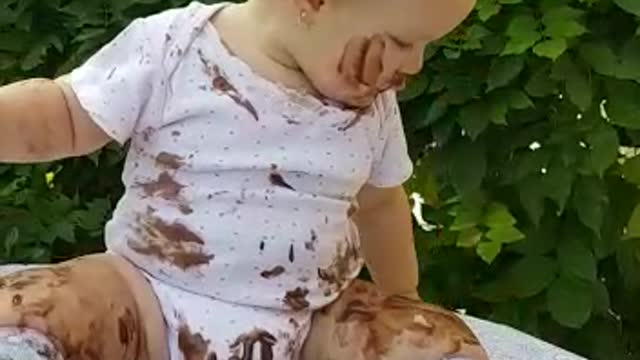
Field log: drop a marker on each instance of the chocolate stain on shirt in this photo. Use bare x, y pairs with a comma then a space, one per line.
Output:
273, 273
292, 255
169, 161
244, 346
173, 243
334, 277
164, 187
276, 179
193, 346
359, 114
221, 84
311, 244
297, 299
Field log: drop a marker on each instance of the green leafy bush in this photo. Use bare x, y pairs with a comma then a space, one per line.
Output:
524, 126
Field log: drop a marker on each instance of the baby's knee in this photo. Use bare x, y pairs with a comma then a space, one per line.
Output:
85, 309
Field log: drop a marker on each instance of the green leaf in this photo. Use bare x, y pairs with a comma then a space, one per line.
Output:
633, 227
579, 89
557, 184
539, 240
603, 147
504, 70
577, 260
487, 9
474, 118
11, 239
504, 235
630, 61
631, 170
551, 49
498, 109
532, 199
489, 250
540, 84
437, 109
562, 22
570, 301
530, 276
623, 106
416, 86
629, 262
601, 299
601, 58
631, 6
466, 217
589, 199
497, 215
493, 292
64, 231
577, 83
35, 55
451, 54
467, 165
474, 36
519, 100
469, 238
523, 34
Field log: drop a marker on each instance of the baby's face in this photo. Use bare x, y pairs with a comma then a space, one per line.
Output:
358, 48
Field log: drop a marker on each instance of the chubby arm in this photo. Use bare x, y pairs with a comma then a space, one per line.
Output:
384, 222
42, 120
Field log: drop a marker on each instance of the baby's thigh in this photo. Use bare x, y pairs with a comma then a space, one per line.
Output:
85, 306
365, 325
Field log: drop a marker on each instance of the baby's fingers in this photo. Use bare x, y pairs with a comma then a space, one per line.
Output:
372, 62
353, 60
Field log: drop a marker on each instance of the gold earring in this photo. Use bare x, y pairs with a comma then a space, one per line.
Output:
303, 18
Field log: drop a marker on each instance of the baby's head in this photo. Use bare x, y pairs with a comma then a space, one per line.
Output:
350, 50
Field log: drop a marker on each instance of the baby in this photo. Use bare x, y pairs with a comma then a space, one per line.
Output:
265, 168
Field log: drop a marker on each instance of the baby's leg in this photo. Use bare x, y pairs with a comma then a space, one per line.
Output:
365, 325
96, 307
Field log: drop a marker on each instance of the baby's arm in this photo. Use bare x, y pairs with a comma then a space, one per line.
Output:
384, 222
42, 120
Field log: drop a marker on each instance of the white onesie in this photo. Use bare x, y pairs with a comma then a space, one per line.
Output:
238, 191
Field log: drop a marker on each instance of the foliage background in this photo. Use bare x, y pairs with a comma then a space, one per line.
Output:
524, 126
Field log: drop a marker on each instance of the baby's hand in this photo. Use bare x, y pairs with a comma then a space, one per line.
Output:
362, 67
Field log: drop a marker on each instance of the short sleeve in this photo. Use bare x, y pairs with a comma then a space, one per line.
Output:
116, 83
392, 165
